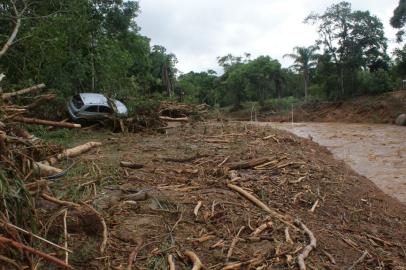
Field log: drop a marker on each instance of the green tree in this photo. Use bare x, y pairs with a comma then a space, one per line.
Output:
398, 19
305, 59
354, 39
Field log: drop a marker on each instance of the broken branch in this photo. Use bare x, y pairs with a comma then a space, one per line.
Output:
31, 250
197, 264
22, 91
306, 251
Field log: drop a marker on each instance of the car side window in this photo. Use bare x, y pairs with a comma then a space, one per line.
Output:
92, 109
105, 109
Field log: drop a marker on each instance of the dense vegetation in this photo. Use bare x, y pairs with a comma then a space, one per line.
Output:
84, 45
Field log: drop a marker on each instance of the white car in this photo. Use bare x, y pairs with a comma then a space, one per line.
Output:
88, 107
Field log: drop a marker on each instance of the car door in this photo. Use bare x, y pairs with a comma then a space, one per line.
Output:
90, 112
105, 111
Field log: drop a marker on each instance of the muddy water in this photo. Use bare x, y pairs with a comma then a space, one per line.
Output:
375, 151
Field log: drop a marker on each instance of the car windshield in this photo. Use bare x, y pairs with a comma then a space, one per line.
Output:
77, 101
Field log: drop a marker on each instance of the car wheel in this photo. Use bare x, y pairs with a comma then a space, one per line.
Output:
83, 122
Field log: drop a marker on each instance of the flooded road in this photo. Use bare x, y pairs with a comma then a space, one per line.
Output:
375, 151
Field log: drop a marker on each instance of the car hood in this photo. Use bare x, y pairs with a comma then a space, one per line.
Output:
121, 108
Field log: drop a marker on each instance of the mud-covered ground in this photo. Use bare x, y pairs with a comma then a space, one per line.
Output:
152, 212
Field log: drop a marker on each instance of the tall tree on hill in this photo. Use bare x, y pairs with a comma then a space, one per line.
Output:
354, 39
399, 19
305, 59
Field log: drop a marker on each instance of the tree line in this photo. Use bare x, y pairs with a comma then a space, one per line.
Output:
348, 59
95, 45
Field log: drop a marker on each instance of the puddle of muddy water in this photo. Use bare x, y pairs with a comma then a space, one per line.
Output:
375, 151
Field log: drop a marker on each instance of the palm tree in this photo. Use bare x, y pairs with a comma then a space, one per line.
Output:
305, 58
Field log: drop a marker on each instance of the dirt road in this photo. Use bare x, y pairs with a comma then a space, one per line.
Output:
375, 151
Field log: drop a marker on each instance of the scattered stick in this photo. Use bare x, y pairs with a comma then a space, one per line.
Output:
36, 236
22, 91
330, 257
171, 262
233, 243
287, 236
262, 228
60, 202
360, 260
314, 206
65, 232
223, 162
260, 204
306, 251
133, 255
105, 231
196, 210
10, 261
271, 137
197, 264
31, 250
247, 164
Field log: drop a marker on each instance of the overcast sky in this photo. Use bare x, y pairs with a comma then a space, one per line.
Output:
198, 31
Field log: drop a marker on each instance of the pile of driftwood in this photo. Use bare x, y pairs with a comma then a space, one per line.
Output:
179, 112
28, 165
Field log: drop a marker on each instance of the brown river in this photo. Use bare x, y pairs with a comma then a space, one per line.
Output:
375, 151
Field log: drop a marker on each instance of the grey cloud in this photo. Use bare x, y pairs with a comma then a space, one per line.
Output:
198, 31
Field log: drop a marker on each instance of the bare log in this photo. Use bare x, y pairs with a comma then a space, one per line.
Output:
306, 251
22, 91
45, 170
170, 119
131, 165
247, 164
72, 152
197, 264
17, 245
35, 121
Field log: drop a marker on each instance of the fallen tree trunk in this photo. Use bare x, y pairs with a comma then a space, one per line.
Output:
170, 119
35, 121
72, 152
22, 91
